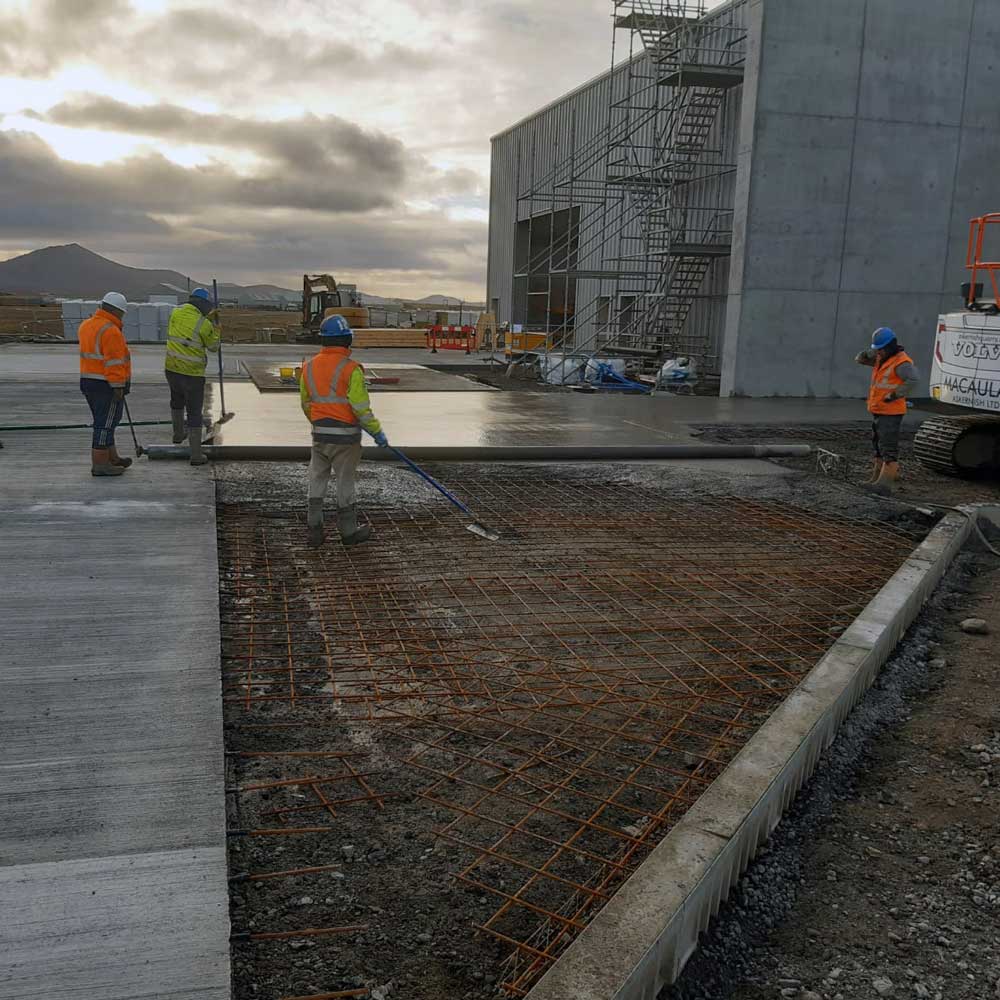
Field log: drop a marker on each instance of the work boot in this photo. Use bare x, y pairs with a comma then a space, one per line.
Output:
885, 485
116, 459
198, 457
101, 465
347, 522
876, 471
180, 431
314, 523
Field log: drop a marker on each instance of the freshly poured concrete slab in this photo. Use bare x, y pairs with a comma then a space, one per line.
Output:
465, 418
61, 361
112, 843
408, 378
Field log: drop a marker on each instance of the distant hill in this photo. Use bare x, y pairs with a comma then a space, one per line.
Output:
73, 271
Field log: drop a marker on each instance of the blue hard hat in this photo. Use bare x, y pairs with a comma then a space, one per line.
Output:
882, 337
335, 326
200, 293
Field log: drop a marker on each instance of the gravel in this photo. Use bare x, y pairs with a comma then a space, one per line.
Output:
884, 877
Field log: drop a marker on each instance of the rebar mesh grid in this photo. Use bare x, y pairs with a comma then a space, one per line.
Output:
563, 695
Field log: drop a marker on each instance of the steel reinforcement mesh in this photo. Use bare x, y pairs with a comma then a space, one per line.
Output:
562, 696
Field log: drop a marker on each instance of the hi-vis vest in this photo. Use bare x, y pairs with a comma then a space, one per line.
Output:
884, 382
327, 378
190, 336
104, 355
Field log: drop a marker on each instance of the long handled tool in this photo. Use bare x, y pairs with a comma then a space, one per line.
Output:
477, 527
222, 385
131, 427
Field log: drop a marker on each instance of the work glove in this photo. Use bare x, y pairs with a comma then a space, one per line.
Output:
119, 393
381, 440
214, 316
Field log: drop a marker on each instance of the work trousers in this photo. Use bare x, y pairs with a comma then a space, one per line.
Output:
105, 409
340, 459
885, 435
187, 392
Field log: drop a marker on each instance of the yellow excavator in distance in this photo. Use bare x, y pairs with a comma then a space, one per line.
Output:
322, 297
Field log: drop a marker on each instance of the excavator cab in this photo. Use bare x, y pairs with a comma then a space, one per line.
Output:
319, 293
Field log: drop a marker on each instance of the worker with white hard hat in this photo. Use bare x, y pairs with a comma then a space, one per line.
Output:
105, 377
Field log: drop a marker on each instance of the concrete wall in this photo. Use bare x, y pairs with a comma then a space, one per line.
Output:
871, 135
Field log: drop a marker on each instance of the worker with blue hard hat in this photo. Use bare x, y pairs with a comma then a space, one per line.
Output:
894, 377
335, 399
192, 334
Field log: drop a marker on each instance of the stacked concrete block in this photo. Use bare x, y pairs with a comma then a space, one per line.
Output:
145, 322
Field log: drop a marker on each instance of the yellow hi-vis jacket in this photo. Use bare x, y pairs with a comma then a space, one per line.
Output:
190, 338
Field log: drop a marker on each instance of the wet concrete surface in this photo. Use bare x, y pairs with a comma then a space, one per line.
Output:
522, 418
408, 378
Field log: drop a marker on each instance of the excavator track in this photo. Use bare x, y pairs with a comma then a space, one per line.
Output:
959, 446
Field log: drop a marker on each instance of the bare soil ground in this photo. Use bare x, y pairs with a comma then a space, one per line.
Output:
853, 442
884, 880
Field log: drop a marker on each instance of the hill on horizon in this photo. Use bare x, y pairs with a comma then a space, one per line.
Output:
74, 272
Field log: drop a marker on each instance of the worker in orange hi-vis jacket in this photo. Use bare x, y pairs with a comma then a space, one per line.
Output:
105, 378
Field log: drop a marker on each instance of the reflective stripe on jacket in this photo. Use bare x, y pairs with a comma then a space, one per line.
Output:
885, 381
335, 398
190, 337
104, 354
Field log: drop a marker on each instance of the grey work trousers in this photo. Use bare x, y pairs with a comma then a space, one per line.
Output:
885, 435
340, 459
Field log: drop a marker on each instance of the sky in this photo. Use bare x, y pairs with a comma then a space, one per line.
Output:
252, 141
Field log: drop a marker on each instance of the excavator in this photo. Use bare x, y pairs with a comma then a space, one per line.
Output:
963, 438
320, 298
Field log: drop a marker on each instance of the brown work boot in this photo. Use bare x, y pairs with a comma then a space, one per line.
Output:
116, 459
875, 472
101, 464
347, 522
885, 485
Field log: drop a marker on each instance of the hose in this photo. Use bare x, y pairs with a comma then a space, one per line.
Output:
71, 427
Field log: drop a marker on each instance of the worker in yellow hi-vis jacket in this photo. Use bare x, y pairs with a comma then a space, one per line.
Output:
335, 399
192, 335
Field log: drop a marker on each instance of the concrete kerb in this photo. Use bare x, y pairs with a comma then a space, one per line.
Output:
643, 937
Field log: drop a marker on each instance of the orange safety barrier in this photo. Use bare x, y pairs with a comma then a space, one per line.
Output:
451, 338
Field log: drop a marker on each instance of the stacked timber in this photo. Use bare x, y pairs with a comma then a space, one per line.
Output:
388, 338
356, 316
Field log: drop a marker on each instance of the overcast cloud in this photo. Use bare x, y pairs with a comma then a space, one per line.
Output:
256, 140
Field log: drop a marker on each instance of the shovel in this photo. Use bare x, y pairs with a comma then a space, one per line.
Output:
222, 388
477, 527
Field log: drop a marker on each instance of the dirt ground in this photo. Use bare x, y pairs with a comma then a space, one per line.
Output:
853, 441
240, 326
884, 880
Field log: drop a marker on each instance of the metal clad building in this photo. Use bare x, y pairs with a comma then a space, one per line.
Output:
861, 138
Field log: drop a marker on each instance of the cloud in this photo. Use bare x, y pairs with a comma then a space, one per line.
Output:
53, 32
155, 213
324, 153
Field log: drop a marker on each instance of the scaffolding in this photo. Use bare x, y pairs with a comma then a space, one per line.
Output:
617, 237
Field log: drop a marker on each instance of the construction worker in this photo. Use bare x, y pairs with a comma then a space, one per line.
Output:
894, 377
335, 399
105, 376
193, 333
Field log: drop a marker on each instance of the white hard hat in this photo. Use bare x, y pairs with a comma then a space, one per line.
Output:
117, 300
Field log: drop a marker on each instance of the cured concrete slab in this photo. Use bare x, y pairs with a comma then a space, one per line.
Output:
112, 845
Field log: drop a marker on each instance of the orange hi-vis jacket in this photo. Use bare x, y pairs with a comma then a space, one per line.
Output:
104, 354
335, 397
885, 381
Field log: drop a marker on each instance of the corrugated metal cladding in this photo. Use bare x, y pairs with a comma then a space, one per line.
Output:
569, 135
